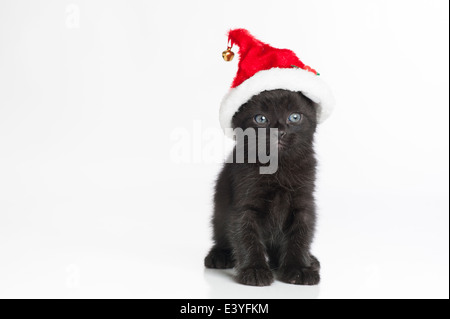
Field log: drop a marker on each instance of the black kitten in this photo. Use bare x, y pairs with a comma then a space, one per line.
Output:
266, 222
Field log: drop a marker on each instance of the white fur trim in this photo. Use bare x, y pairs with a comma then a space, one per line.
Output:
297, 80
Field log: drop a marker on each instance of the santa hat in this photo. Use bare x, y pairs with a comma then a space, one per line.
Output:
262, 67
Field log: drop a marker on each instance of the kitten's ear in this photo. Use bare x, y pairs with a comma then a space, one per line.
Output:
233, 121
310, 105
307, 99
303, 96
235, 118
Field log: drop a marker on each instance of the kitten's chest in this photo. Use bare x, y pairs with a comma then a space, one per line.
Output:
279, 207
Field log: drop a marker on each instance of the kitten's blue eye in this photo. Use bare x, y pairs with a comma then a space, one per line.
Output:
295, 117
260, 119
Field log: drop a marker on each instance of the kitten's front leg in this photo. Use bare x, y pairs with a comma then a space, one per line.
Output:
249, 251
298, 266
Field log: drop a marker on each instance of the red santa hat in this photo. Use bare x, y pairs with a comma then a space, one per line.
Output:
263, 67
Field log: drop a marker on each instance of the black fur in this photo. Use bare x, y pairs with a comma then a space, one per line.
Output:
265, 223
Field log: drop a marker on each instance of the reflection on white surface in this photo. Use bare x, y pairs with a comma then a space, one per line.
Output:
221, 285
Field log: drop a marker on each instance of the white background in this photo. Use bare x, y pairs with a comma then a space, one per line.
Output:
92, 204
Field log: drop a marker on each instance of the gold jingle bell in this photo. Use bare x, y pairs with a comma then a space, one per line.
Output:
228, 55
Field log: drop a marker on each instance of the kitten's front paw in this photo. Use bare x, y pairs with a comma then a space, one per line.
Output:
255, 276
219, 259
315, 264
300, 276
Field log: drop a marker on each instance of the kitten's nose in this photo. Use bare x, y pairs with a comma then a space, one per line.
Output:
281, 134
